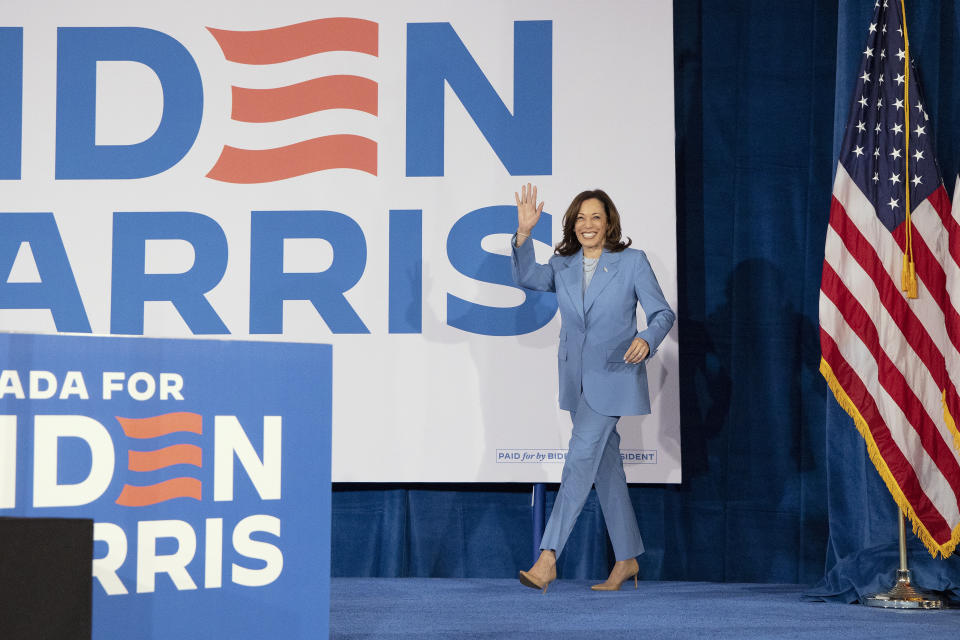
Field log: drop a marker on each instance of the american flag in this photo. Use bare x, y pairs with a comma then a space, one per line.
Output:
892, 361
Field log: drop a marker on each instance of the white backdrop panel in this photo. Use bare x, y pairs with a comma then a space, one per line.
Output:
438, 405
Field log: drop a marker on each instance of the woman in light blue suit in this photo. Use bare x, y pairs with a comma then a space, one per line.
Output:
601, 362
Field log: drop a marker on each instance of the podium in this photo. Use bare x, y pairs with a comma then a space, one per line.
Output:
46, 586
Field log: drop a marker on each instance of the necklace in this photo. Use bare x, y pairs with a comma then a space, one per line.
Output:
590, 264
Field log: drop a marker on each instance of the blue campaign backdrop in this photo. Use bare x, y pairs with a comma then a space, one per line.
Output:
776, 486
205, 465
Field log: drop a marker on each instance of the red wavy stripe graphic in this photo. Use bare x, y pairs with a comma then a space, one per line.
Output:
270, 46
166, 457
132, 496
328, 92
157, 426
250, 166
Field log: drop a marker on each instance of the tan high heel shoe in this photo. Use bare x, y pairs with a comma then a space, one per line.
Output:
527, 578
612, 583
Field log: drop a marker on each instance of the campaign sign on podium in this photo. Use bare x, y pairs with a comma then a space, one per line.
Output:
204, 464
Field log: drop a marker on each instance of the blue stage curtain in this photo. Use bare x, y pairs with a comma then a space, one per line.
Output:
776, 483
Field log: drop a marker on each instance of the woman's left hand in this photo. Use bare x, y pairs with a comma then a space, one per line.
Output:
639, 349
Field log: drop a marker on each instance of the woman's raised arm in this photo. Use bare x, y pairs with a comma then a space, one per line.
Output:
528, 212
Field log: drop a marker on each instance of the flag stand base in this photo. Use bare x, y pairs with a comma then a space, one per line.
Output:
904, 595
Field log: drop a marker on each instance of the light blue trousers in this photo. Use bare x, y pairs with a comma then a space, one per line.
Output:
593, 458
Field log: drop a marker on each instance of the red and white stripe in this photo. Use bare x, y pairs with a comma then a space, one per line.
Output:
897, 360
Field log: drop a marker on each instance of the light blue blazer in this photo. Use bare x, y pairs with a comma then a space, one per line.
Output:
596, 329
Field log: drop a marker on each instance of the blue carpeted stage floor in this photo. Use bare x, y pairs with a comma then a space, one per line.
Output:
476, 608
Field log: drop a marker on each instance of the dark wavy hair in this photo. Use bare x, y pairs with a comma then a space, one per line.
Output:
570, 244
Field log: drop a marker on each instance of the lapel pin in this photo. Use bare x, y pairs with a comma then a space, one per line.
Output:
604, 268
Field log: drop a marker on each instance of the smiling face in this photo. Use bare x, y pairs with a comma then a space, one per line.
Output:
591, 227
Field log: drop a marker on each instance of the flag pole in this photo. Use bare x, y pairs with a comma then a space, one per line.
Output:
904, 595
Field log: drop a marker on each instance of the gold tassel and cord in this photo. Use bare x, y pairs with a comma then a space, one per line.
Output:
908, 277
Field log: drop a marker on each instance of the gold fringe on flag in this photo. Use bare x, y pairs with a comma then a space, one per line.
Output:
945, 549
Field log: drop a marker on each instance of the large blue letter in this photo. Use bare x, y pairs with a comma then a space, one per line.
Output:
270, 286
132, 287
78, 51
57, 289
11, 101
522, 141
467, 257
